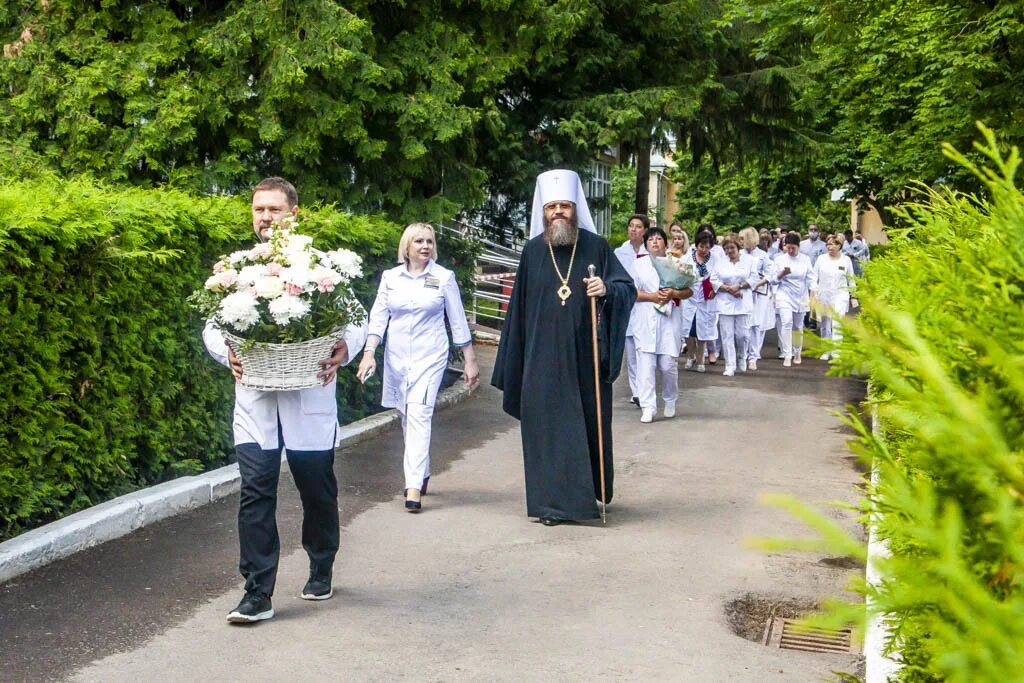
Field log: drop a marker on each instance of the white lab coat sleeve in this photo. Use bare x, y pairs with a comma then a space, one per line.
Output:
214, 341
812, 278
380, 312
453, 308
816, 275
355, 337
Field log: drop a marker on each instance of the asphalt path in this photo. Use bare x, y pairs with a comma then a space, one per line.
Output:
471, 589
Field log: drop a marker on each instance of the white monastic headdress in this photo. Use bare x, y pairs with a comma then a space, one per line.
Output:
559, 185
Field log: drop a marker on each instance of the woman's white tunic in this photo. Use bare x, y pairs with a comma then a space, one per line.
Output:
730, 273
834, 278
654, 332
412, 309
792, 292
764, 309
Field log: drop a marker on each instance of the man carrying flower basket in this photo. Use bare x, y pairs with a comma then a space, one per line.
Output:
282, 296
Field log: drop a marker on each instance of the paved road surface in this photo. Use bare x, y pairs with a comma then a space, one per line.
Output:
471, 589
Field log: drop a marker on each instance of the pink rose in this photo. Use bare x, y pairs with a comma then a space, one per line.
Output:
274, 268
325, 285
293, 290
218, 266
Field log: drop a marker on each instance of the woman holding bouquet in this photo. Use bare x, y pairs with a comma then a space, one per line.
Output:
833, 273
699, 312
738, 275
656, 322
794, 276
411, 305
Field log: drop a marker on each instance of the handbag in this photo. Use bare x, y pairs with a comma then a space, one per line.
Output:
707, 288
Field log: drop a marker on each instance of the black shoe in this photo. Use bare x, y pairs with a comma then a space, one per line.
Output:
317, 588
411, 505
550, 521
255, 606
635, 401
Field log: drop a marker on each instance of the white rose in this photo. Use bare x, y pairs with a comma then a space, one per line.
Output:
269, 287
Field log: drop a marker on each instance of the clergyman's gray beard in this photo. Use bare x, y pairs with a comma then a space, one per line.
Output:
561, 232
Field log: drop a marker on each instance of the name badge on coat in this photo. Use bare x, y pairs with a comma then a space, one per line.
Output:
431, 283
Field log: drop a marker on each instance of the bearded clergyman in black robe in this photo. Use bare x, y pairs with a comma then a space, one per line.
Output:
545, 362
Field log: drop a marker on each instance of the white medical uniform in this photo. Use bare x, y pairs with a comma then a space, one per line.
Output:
764, 308
792, 295
308, 418
628, 258
834, 278
706, 312
412, 310
735, 313
657, 338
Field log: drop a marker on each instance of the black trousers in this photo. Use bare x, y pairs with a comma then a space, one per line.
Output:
259, 545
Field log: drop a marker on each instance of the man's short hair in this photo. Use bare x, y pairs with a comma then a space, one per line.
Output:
640, 217
277, 183
792, 237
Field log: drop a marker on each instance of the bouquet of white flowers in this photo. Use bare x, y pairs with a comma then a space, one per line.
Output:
279, 299
672, 274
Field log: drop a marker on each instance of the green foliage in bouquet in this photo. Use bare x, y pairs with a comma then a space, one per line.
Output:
105, 385
941, 335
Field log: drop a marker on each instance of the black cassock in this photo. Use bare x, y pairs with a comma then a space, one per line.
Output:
545, 368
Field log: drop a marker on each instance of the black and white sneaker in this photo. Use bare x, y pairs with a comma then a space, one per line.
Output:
317, 588
255, 606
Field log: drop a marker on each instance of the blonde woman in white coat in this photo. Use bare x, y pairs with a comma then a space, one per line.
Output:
657, 335
411, 305
763, 316
833, 274
794, 277
736, 271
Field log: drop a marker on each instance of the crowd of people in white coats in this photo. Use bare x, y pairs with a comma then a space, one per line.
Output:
747, 283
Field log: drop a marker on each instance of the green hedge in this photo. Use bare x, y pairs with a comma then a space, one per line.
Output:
105, 386
941, 334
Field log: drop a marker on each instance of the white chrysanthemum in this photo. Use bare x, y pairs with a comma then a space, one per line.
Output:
346, 262
239, 310
323, 273
286, 308
268, 287
298, 242
299, 275
248, 275
238, 257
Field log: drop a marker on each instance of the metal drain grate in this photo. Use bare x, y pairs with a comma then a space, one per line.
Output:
791, 635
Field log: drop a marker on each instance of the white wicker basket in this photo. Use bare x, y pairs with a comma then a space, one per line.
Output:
282, 367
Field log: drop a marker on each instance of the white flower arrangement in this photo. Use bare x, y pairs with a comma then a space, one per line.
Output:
282, 290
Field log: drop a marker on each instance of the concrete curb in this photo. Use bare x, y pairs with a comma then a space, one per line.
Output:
879, 667
122, 515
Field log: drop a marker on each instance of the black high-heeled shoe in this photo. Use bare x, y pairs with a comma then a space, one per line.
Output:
411, 505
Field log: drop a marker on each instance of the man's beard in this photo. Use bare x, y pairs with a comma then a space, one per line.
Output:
561, 232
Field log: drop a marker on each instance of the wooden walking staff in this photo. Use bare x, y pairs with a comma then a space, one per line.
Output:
597, 392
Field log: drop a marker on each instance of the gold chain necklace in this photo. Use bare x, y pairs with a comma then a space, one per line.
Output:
564, 291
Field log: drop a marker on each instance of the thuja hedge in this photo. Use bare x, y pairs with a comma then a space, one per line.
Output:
104, 383
941, 334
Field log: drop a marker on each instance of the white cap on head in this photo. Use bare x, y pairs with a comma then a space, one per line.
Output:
555, 186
